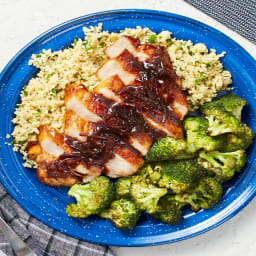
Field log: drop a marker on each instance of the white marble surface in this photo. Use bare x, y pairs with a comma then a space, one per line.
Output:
22, 20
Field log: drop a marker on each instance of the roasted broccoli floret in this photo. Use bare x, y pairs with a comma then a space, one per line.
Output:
181, 175
149, 173
123, 212
146, 195
205, 195
123, 187
197, 137
230, 102
169, 210
185, 154
222, 121
224, 165
91, 198
242, 141
165, 148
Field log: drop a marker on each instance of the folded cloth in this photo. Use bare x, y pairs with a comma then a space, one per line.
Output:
235, 14
43, 240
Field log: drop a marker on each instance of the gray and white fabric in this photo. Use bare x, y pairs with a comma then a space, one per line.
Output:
43, 240
239, 15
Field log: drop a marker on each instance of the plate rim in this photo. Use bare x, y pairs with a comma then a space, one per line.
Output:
150, 240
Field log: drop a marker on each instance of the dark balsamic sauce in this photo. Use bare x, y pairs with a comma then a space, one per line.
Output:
149, 94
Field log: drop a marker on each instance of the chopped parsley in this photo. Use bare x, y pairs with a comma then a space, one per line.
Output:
25, 92
55, 91
152, 39
87, 45
189, 51
39, 111
202, 77
13, 141
169, 41
22, 142
180, 46
208, 65
48, 76
74, 41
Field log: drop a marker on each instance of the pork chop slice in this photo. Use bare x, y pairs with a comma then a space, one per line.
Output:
77, 127
114, 67
51, 145
144, 52
124, 163
128, 69
129, 43
96, 108
178, 100
78, 99
109, 89
158, 122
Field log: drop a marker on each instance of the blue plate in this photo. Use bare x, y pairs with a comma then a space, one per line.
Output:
48, 204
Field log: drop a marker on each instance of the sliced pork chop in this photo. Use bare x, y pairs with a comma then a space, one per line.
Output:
141, 142
80, 100
124, 163
109, 89
143, 52
165, 125
129, 43
128, 68
118, 51
76, 127
94, 105
114, 67
51, 145
178, 99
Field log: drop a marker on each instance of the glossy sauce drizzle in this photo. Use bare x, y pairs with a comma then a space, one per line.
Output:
149, 94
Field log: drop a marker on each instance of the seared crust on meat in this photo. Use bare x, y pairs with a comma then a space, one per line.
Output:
179, 103
166, 126
52, 141
44, 177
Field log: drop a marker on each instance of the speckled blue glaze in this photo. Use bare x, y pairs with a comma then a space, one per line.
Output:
48, 204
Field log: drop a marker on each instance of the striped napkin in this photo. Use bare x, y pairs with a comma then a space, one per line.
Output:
44, 241
239, 15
